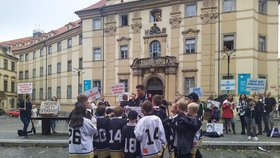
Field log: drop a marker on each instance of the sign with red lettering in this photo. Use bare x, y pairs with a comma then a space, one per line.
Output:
93, 93
118, 89
24, 88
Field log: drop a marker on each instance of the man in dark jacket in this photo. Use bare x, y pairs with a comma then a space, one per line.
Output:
259, 112
141, 95
270, 102
25, 108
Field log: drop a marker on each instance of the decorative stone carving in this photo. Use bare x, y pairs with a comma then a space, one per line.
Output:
208, 17
110, 29
154, 30
6, 76
137, 72
136, 27
13, 77
123, 39
175, 8
175, 21
171, 70
190, 32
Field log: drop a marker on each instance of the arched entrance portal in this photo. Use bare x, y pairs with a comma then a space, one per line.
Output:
155, 86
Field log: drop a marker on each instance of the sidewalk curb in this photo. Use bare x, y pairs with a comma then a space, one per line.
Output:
33, 143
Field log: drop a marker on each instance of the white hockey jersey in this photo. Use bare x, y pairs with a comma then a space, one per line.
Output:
80, 139
149, 130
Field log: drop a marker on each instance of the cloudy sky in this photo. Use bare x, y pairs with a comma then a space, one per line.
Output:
19, 17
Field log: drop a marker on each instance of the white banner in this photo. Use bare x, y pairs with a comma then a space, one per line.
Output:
256, 85
214, 127
227, 85
49, 107
24, 88
118, 89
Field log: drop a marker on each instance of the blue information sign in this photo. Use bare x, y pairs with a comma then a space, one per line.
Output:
242, 83
87, 85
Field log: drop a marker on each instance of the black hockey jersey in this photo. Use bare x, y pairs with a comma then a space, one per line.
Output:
115, 133
101, 139
129, 142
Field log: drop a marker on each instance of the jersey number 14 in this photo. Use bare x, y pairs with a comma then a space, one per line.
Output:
155, 136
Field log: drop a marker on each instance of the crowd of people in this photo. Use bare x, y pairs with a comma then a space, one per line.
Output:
254, 112
116, 133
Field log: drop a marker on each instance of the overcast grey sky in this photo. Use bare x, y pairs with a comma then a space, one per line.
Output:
19, 17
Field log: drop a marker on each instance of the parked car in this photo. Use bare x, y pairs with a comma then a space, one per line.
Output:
13, 113
2, 112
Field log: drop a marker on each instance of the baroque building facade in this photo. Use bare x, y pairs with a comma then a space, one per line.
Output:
169, 46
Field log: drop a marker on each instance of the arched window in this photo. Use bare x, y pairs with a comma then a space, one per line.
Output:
155, 49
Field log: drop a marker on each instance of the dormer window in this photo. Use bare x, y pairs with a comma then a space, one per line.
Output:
155, 15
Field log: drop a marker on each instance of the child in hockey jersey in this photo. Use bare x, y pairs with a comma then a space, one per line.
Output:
81, 130
150, 132
131, 146
115, 133
101, 138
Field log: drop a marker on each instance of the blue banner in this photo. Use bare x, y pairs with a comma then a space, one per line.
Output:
87, 85
242, 83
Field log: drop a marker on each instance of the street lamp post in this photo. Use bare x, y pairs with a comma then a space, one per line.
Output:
79, 74
228, 53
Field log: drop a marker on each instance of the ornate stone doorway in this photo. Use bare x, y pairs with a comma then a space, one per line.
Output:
155, 86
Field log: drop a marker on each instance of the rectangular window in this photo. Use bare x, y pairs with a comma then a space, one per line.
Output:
20, 75
80, 63
41, 52
13, 87
49, 93
13, 66
49, 49
26, 75
190, 46
59, 46
34, 55
21, 58
69, 43
124, 52
124, 20
189, 83
262, 6
41, 71
262, 43
80, 39
69, 65
69, 92
96, 24
58, 92
97, 83
58, 68
190, 10
229, 43
34, 73
33, 94
5, 86
41, 93
5, 64
26, 57
125, 82
49, 69
229, 5
96, 54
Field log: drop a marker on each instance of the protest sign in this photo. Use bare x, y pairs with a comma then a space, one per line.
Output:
24, 88
227, 85
242, 83
87, 85
93, 93
197, 90
214, 127
49, 107
118, 89
127, 109
256, 85
212, 102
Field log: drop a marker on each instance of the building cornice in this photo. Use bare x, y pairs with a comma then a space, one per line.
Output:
50, 41
128, 7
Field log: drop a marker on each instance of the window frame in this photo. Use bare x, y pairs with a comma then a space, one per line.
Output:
49, 69
126, 84
81, 63
69, 43
41, 94
58, 46
69, 65
34, 73
228, 11
41, 71
265, 9
6, 64
93, 24
58, 68
49, 93
188, 86
41, 52
26, 74
123, 56
234, 40
5, 86
121, 20
264, 44
58, 89
50, 49
69, 92
153, 18
20, 75
34, 55
99, 85
195, 45
186, 8
13, 86
80, 39
151, 49
13, 66
94, 54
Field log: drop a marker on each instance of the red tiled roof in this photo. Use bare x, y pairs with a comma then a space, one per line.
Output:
99, 4
24, 40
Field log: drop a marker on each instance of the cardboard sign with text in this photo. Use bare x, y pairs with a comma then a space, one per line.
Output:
24, 88
256, 85
93, 93
197, 90
49, 107
118, 89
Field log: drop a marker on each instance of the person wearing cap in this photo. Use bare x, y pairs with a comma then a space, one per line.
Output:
131, 146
